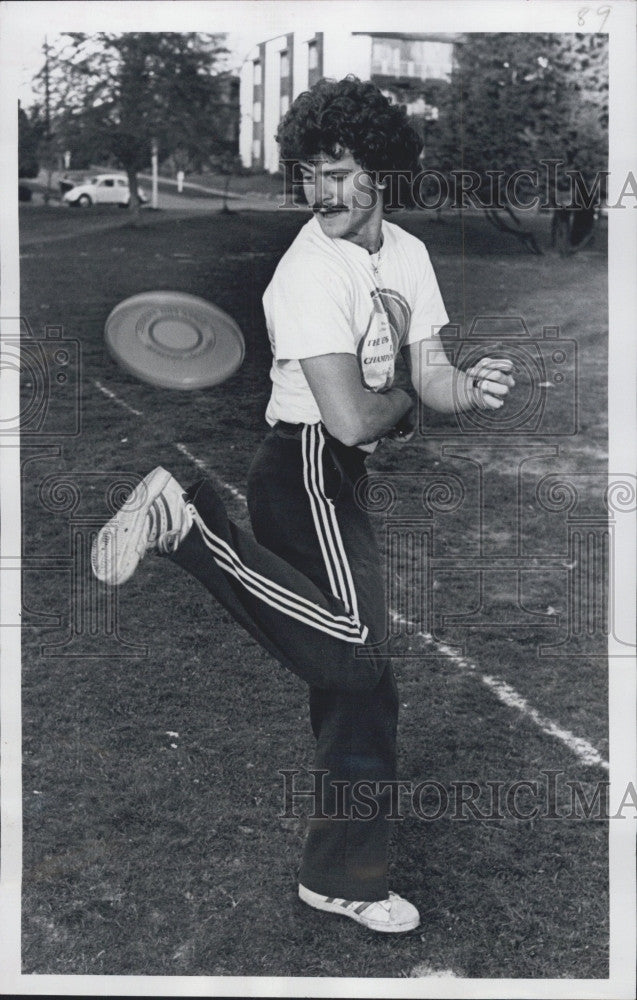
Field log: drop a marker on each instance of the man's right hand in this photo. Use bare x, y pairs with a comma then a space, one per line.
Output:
405, 428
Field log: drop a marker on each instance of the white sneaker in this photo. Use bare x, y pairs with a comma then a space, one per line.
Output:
393, 915
155, 516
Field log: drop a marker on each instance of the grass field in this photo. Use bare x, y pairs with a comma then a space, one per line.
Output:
264, 185
153, 840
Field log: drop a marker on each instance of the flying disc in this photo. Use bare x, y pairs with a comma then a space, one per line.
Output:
174, 340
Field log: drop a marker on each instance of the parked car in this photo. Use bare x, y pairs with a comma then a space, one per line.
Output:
103, 189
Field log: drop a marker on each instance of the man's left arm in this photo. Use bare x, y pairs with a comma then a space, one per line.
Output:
447, 389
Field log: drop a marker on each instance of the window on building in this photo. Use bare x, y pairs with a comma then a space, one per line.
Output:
411, 58
284, 104
312, 55
256, 149
256, 111
285, 64
256, 77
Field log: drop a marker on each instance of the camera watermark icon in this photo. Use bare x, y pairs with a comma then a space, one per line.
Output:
49, 369
545, 401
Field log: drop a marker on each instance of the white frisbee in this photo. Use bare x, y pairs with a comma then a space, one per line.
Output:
174, 340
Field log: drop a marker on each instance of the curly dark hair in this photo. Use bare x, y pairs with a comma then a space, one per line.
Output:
353, 115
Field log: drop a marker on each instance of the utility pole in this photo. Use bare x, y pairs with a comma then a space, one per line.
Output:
47, 90
47, 122
154, 161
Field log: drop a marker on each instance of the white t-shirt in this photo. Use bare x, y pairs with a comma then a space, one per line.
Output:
326, 297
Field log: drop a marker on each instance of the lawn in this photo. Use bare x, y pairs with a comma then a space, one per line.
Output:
270, 185
153, 837
264, 185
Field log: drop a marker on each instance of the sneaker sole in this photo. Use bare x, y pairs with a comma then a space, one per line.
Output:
319, 903
115, 565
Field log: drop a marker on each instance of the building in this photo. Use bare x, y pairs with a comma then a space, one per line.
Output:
277, 70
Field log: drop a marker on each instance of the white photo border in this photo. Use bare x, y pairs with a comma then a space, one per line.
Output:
268, 18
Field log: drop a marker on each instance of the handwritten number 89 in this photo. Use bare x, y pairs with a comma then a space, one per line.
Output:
602, 12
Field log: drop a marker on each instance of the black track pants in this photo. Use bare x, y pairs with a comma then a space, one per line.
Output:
309, 588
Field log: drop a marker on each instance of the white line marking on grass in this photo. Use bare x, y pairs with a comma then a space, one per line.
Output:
580, 747
424, 971
116, 399
512, 699
232, 490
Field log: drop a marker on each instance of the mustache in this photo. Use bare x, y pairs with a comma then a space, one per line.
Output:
316, 207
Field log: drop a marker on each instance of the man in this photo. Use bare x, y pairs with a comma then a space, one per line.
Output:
350, 294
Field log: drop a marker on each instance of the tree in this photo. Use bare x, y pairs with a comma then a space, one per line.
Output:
120, 93
516, 101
